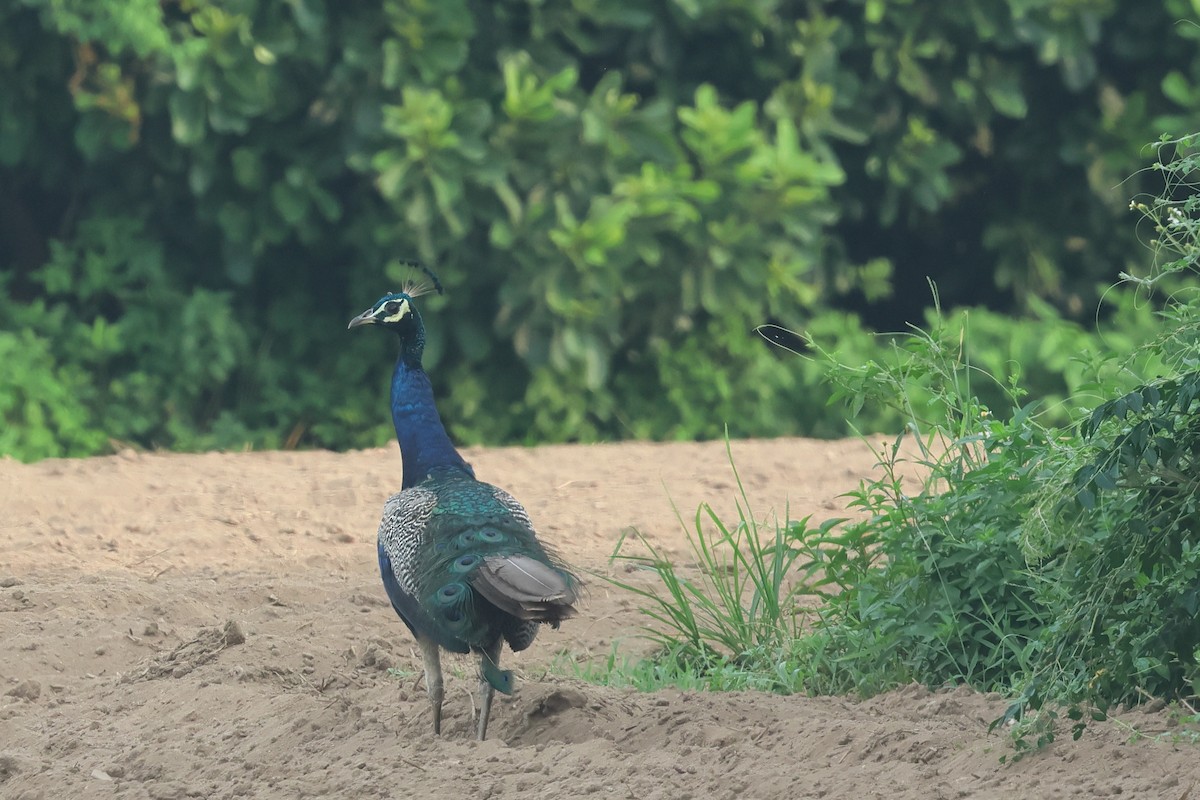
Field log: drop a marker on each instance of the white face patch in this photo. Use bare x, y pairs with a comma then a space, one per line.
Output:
401, 312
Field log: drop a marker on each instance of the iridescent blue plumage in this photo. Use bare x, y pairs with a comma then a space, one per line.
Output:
424, 443
460, 561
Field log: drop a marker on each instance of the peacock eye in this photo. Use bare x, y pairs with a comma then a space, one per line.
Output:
391, 307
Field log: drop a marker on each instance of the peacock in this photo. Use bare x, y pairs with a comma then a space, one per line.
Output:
460, 560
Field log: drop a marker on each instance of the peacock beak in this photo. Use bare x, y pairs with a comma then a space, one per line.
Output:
365, 318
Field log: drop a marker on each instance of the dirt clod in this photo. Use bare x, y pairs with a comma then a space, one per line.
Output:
26, 690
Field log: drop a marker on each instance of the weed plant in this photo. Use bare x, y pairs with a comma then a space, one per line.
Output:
729, 622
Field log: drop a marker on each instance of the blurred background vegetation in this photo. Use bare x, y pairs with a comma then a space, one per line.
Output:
196, 196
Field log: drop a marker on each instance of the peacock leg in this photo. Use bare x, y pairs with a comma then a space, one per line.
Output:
486, 692
433, 679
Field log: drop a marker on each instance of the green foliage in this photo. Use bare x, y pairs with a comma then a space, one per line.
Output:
683, 670
185, 348
738, 612
1055, 563
971, 561
986, 573
1129, 511
613, 195
932, 585
1134, 513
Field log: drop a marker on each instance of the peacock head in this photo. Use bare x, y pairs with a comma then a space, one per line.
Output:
396, 312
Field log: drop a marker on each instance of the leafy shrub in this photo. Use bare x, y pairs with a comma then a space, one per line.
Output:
933, 584
613, 196
1134, 513
1120, 537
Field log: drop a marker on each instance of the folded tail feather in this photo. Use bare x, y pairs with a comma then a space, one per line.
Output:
526, 588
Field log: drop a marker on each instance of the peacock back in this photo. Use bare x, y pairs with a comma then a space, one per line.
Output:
442, 541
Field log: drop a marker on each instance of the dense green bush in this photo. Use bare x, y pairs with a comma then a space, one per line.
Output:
1054, 562
195, 196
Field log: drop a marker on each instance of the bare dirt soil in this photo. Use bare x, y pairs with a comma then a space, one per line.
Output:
213, 626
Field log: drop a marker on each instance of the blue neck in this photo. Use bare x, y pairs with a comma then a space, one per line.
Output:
424, 445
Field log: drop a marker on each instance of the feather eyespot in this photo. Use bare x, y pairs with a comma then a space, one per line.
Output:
490, 535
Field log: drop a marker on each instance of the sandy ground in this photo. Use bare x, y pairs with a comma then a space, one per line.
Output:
213, 626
